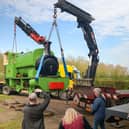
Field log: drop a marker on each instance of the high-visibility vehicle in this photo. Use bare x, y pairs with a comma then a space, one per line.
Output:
73, 72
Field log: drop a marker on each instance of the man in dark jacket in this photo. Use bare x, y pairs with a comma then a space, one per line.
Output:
33, 112
98, 109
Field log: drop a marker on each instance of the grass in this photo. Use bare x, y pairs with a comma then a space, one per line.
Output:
13, 124
2, 110
4, 97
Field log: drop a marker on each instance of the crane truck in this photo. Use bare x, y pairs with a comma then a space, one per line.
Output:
82, 93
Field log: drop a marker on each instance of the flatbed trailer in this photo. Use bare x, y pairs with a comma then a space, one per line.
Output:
116, 114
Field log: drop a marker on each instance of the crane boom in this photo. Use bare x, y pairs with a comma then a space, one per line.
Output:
29, 30
84, 19
33, 34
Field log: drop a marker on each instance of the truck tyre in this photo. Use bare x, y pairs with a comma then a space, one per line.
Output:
6, 90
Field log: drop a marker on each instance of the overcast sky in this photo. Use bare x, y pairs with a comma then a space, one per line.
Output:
111, 27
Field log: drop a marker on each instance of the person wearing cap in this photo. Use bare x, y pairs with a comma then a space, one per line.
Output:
98, 109
33, 112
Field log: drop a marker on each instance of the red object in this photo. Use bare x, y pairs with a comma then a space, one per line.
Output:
37, 38
56, 85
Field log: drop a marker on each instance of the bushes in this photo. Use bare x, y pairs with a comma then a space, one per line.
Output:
119, 84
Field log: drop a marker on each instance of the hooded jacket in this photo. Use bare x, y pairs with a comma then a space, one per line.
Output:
33, 114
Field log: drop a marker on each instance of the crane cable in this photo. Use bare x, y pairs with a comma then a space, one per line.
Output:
14, 40
14, 46
54, 24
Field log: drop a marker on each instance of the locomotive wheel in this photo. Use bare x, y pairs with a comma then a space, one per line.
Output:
6, 90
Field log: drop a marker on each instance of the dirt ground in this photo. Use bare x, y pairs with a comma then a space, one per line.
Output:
53, 115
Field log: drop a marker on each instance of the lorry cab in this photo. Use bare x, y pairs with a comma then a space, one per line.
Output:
73, 73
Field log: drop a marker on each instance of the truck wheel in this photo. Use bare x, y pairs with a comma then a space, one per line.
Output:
6, 90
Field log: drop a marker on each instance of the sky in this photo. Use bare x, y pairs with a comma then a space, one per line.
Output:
111, 28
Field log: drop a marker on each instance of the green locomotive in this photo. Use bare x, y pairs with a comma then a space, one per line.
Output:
37, 69
21, 69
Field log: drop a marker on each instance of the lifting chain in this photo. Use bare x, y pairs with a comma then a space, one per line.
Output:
54, 23
55, 13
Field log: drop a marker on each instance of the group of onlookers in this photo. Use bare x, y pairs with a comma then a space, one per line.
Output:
72, 119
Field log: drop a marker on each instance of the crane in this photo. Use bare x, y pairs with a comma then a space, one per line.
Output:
31, 32
84, 19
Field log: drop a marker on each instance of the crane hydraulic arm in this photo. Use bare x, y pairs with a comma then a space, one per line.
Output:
32, 33
84, 19
29, 30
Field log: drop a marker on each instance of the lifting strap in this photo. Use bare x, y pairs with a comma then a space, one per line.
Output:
54, 24
39, 68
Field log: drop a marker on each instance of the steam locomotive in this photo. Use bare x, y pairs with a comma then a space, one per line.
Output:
21, 70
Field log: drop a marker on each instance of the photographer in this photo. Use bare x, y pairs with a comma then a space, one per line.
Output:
33, 112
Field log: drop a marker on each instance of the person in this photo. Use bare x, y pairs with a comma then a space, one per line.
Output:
33, 112
73, 120
98, 109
